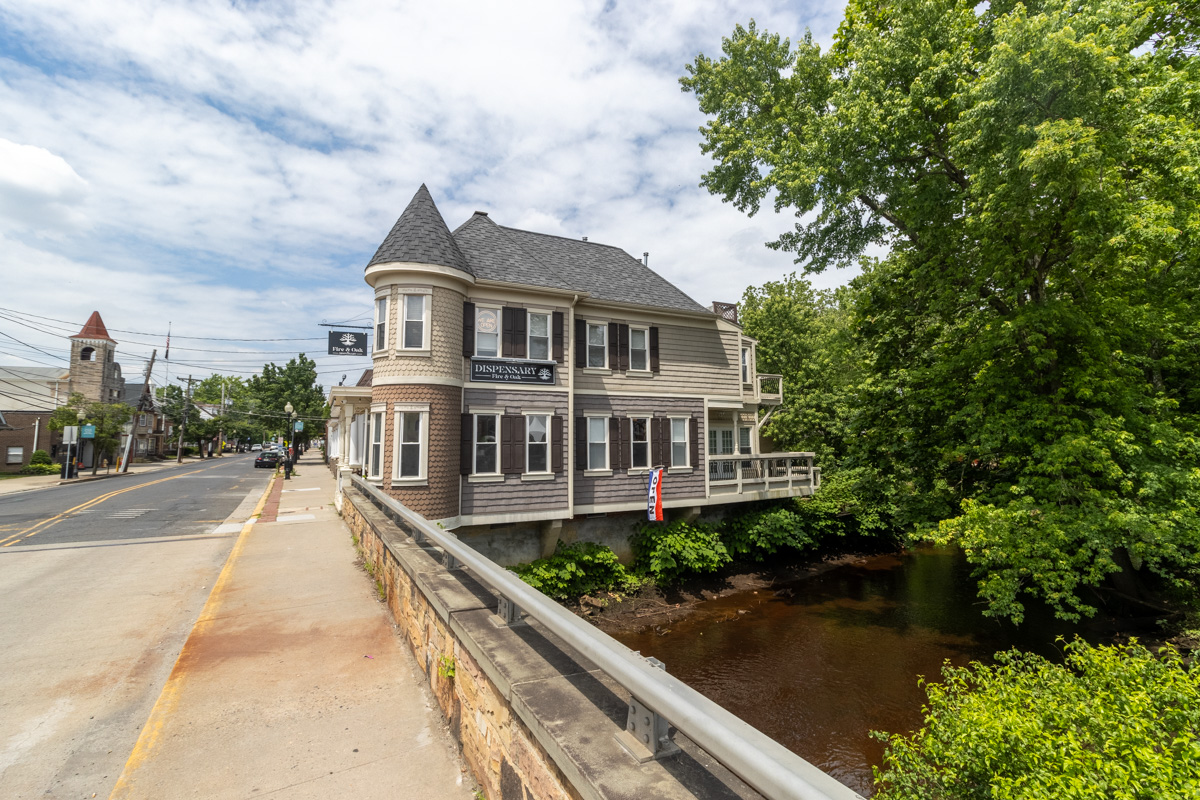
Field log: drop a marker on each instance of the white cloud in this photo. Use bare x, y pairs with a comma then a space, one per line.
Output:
241, 156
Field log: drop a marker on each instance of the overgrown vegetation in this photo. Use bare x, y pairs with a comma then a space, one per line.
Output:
577, 569
1111, 722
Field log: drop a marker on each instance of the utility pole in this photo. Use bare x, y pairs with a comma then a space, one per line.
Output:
145, 403
183, 426
221, 430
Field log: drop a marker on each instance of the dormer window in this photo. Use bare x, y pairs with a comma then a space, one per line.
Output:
86, 353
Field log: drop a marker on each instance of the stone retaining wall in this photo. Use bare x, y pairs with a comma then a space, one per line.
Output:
535, 719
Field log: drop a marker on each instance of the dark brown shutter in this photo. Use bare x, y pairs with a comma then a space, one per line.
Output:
614, 358
464, 450
654, 349
468, 329
580, 443
512, 444
509, 337
656, 442
626, 459
557, 334
614, 443
694, 425
581, 342
623, 347
520, 325
556, 444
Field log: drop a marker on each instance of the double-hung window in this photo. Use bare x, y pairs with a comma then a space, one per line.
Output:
375, 443
413, 325
487, 332
679, 442
15, 455
381, 314
639, 438
597, 345
409, 446
539, 336
597, 442
745, 365
487, 444
639, 349
537, 443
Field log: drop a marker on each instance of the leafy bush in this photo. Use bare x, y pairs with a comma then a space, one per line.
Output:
40, 457
669, 552
40, 469
1113, 722
762, 532
576, 569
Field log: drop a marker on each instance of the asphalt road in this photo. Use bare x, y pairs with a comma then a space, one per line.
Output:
176, 501
101, 584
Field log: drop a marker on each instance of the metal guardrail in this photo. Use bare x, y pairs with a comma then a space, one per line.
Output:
770, 768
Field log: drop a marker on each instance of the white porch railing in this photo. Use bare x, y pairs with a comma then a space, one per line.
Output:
763, 472
770, 389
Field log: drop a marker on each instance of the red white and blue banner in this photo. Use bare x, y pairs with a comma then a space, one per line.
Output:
654, 495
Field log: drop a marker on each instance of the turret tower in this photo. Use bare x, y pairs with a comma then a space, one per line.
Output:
95, 372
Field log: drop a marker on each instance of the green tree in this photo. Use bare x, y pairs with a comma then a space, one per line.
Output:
1112, 722
295, 383
108, 418
1029, 340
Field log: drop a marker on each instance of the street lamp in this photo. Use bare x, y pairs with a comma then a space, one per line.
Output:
81, 416
291, 412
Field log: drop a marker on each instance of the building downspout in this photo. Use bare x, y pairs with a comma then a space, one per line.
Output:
569, 428
36, 422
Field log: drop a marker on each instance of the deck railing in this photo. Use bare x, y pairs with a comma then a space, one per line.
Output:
767, 766
764, 472
770, 389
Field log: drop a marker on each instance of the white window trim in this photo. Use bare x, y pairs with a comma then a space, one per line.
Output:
607, 468
20, 454
687, 442
426, 314
373, 475
529, 312
422, 477
746, 367
499, 329
475, 443
629, 355
387, 328
649, 445
587, 346
549, 445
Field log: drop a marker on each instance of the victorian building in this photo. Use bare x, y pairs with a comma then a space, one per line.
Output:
523, 379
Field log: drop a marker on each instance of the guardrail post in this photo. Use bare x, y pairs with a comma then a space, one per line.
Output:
508, 612
647, 734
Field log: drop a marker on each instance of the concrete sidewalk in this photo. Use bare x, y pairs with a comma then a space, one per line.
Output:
293, 683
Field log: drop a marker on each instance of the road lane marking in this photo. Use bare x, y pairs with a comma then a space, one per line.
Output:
38, 527
168, 699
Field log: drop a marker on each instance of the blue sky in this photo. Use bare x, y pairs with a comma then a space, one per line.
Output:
230, 167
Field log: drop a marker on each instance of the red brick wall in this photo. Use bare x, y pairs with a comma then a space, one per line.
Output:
438, 499
22, 436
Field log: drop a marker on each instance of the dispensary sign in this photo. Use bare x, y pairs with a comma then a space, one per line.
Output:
497, 371
347, 343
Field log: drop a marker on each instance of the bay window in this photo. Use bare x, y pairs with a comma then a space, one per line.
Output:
414, 308
411, 434
381, 313
375, 445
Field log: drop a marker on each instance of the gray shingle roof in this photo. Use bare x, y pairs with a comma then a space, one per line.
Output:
539, 259
420, 236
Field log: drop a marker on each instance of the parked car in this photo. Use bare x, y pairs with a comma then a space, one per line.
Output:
268, 458
254, 448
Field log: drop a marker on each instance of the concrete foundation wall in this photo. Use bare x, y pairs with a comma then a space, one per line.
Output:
535, 719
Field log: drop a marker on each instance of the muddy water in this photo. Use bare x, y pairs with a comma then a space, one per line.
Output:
819, 664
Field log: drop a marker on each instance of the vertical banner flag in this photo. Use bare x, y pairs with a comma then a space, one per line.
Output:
654, 496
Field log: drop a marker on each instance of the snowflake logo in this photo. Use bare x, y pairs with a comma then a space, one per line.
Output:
544, 375
348, 339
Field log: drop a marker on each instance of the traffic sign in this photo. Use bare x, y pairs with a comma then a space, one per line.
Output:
70, 434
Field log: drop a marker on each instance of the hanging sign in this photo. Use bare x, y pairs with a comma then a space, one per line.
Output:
87, 431
654, 495
504, 371
347, 343
299, 425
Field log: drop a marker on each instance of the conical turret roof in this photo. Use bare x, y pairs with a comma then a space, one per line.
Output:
420, 236
94, 329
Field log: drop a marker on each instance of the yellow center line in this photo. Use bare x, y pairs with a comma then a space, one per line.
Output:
168, 699
38, 527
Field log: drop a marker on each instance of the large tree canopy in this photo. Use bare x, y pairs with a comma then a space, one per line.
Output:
1030, 341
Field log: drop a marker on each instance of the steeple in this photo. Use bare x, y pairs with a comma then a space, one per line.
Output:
420, 236
94, 329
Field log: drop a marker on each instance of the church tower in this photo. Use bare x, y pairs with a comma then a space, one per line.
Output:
95, 372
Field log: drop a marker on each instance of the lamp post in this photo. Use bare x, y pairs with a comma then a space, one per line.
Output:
81, 416
287, 468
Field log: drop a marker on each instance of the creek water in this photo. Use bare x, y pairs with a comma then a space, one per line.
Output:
818, 664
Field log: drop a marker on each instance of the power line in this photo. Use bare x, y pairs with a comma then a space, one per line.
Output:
177, 336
